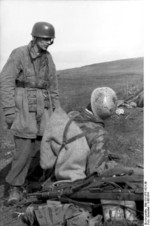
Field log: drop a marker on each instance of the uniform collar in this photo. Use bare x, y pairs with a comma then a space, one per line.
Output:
88, 111
95, 118
34, 51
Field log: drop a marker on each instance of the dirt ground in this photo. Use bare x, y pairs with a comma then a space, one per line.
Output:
126, 136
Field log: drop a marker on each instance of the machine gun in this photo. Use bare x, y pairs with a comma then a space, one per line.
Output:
127, 186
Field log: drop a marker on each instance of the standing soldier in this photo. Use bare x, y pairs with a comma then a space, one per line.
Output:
29, 94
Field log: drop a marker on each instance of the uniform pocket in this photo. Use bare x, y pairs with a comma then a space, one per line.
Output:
18, 97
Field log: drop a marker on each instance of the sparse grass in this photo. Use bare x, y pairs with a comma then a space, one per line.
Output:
130, 89
76, 85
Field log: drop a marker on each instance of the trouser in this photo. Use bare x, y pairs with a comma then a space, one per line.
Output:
25, 152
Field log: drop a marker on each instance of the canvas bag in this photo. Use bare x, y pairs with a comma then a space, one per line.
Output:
70, 162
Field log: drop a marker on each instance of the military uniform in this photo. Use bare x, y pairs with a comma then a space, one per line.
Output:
97, 137
29, 93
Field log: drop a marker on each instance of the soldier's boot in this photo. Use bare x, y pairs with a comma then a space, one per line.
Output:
15, 195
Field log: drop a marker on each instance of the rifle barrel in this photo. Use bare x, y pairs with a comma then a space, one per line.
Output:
108, 195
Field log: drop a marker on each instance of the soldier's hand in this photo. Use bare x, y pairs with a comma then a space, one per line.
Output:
9, 119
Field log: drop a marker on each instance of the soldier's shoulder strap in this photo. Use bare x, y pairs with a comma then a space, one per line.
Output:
78, 136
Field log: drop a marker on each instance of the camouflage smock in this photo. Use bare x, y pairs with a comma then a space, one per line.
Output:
29, 89
97, 138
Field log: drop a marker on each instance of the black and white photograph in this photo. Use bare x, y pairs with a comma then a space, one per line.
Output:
72, 120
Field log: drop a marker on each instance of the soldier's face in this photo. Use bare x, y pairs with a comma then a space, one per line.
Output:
43, 43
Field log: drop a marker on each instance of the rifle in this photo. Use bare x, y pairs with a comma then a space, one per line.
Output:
95, 188
133, 97
90, 194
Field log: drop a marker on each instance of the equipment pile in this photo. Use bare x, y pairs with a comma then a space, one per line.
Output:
117, 194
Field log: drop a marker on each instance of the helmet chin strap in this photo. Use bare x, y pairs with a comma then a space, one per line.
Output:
52, 41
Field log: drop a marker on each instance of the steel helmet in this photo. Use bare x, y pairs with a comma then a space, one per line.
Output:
43, 30
103, 102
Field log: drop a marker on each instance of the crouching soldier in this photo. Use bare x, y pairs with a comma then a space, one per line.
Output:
91, 120
29, 94
73, 144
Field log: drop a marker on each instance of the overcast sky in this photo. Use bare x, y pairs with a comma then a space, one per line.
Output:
87, 32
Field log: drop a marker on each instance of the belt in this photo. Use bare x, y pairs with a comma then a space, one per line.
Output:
40, 84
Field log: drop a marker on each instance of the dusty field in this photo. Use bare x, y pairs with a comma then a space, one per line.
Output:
126, 131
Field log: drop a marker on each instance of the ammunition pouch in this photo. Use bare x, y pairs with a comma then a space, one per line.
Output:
32, 99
